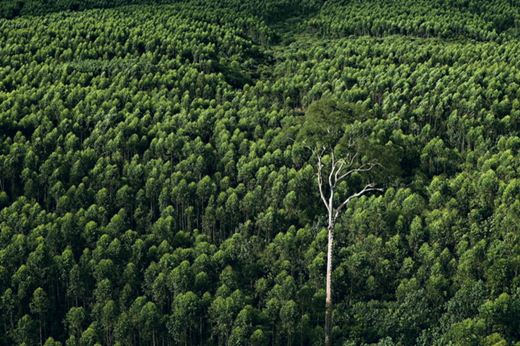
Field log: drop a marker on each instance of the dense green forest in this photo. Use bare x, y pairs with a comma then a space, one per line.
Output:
155, 188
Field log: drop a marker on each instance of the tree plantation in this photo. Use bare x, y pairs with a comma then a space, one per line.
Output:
169, 171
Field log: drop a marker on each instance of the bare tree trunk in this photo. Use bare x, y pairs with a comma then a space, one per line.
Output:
328, 289
339, 170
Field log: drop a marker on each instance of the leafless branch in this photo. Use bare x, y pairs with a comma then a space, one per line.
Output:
367, 188
363, 168
320, 183
336, 175
352, 159
332, 168
338, 171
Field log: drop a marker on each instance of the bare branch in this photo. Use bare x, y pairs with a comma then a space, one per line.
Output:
352, 159
332, 169
347, 162
363, 168
315, 151
335, 175
320, 184
367, 188
338, 170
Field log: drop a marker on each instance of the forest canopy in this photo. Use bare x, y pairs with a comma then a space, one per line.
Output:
156, 188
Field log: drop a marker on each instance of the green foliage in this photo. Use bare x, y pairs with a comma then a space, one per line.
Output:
476, 19
325, 122
155, 187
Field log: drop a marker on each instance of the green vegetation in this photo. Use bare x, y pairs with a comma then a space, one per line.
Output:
473, 19
156, 188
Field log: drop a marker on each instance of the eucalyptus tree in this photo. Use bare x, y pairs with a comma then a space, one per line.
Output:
323, 132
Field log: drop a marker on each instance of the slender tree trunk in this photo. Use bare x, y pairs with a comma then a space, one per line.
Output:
41, 333
200, 329
328, 288
339, 170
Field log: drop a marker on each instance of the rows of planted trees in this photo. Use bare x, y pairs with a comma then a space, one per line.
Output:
447, 19
269, 10
155, 188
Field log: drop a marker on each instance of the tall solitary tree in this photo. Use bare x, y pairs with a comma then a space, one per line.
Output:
324, 133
